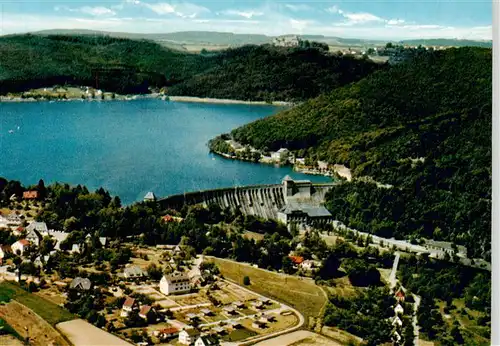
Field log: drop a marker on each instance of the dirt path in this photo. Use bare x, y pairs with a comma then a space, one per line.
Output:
28, 324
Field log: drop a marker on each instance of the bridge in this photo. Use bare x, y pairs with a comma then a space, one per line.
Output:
264, 201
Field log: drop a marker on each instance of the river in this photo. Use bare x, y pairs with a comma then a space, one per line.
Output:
128, 147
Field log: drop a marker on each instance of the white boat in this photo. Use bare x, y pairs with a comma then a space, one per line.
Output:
11, 131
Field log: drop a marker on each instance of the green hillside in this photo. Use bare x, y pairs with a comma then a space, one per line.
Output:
272, 73
437, 108
124, 65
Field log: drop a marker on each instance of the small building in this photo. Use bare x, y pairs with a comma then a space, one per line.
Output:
40, 227
170, 218
150, 197
296, 260
20, 246
147, 312
264, 300
397, 321
229, 310
280, 155
206, 312
81, 284
206, 340
219, 330
239, 305
167, 333
191, 317
257, 305
258, 325
5, 251
308, 265
30, 195
188, 336
266, 318
287, 41
129, 305
400, 295
398, 309
134, 272
175, 283
234, 324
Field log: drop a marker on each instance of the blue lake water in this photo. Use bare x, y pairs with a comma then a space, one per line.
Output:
129, 148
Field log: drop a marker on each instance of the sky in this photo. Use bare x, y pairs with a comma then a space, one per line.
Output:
369, 19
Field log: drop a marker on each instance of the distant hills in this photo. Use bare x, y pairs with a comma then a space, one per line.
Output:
178, 39
125, 66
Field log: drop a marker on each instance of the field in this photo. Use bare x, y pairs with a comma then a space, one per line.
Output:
300, 293
50, 312
30, 325
299, 338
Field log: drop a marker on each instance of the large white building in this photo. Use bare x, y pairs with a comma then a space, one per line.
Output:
175, 283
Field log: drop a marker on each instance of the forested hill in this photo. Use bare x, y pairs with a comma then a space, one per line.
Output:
124, 66
436, 108
267, 73
132, 66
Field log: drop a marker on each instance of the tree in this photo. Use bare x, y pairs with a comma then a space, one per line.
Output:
329, 267
246, 280
154, 271
287, 265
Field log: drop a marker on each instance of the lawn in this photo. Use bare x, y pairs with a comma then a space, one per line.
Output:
300, 293
49, 311
239, 334
5, 328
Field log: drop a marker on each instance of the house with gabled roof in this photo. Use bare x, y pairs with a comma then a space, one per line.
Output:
29, 195
81, 284
20, 246
5, 250
206, 340
129, 305
188, 336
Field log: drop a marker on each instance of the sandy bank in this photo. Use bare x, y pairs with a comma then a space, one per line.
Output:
225, 101
82, 333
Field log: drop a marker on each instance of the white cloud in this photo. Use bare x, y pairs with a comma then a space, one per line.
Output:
395, 21
183, 10
298, 7
97, 11
299, 25
361, 18
247, 14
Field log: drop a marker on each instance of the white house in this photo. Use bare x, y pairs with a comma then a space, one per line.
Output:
188, 336
206, 340
129, 305
175, 283
397, 321
308, 265
280, 154
20, 246
150, 197
4, 251
134, 272
398, 309
287, 41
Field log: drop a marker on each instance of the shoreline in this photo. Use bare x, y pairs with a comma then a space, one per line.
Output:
195, 99
189, 99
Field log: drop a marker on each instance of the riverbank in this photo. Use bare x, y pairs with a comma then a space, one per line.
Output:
226, 101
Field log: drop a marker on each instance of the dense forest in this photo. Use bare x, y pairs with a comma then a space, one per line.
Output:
423, 126
122, 65
129, 66
268, 73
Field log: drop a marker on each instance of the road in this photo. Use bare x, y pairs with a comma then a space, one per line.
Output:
392, 277
415, 320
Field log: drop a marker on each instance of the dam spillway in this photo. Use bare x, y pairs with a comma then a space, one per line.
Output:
259, 200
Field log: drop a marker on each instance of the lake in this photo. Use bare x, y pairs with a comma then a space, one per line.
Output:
128, 147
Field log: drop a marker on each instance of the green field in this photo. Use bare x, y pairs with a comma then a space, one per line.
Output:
239, 334
300, 293
50, 312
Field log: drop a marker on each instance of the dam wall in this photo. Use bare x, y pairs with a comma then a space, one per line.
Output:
259, 200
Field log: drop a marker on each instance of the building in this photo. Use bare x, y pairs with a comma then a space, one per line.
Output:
134, 272
229, 310
280, 155
192, 316
35, 232
175, 283
170, 218
400, 295
239, 305
397, 321
30, 195
309, 265
206, 340
82, 284
150, 197
188, 336
147, 312
167, 333
129, 305
304, 214
20, 246
398, 309
296, 260
206, 312
287, 41
266, 318
258, 325
5, 250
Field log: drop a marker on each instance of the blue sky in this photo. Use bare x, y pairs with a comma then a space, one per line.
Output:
375, 19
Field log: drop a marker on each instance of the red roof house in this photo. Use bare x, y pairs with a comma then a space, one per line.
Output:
400, 295
296, 259
30, 194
